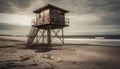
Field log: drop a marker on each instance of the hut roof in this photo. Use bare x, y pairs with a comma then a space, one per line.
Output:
49, 6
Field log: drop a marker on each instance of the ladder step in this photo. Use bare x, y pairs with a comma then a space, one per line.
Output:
32, 35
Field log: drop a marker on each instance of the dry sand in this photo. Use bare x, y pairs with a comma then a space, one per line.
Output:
15, 55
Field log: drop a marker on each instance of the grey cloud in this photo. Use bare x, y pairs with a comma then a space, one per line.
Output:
8, 6
113, 20
4, 6
108, 11
21, 3
105, 5
16, 6
76, 6
89, 6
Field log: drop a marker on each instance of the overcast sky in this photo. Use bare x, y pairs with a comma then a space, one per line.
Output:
86, 16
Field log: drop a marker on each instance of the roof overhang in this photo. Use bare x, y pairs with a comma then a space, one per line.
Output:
49, 6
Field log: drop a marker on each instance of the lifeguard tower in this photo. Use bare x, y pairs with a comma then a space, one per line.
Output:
49, 20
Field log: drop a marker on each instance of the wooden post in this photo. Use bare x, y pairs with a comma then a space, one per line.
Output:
37, 39
43, 36
49, 35
63, 36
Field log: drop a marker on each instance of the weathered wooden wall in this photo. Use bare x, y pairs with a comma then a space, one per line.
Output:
57, 17
50, 15
43, 17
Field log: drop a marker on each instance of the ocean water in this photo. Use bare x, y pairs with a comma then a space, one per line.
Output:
77, 41
14, 32
103, 40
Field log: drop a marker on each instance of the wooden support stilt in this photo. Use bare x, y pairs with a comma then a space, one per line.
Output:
37, 39
43, 37
49, 35
62, 36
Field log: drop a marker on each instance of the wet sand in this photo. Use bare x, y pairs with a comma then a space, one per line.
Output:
15, 55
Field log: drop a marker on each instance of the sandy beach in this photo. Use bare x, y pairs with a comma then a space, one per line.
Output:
15, 55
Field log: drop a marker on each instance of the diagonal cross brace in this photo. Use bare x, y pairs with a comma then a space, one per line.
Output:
56, 34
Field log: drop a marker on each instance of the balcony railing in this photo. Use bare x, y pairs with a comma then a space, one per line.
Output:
36, 23
67, 21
